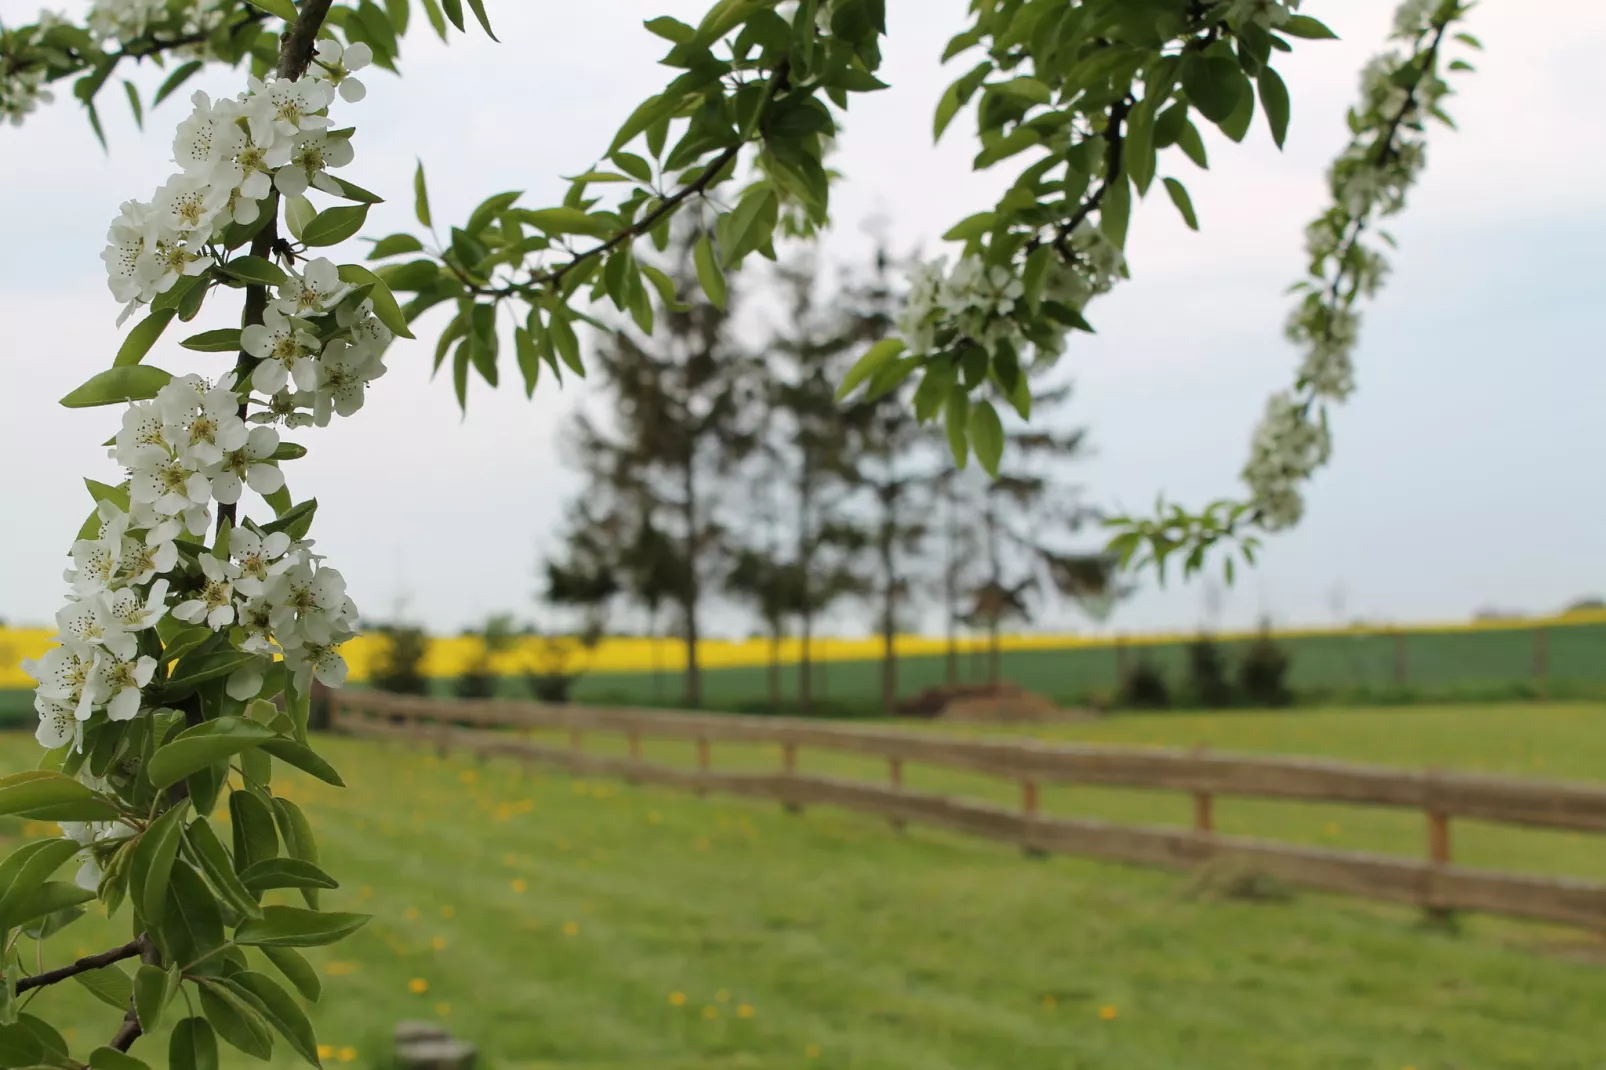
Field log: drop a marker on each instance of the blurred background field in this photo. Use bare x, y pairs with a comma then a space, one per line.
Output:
585, 923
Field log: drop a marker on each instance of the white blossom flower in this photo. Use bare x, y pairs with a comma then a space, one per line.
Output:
258, 558
62, 672
142, 439
367, 332
203, 422
129, 614
314, 291
185, 207
247, 467
344, 372
280, 108
215, 602
58, 726
209, 141
340, 63
285, 349
83, 622
308, 601
143, 560
171, 487
116, 683
127, 266
311, 156
308, 660
256, 619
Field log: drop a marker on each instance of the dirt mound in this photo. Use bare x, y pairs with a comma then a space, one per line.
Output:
992, 703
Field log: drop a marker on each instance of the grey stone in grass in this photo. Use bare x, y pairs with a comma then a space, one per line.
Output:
443, 1054
411, 1031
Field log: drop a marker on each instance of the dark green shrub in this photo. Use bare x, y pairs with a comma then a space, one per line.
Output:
1144, 688
1263, 674
399, 667
1208, 685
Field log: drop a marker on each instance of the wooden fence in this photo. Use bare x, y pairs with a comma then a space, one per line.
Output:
1437, 884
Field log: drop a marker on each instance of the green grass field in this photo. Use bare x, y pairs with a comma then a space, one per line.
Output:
591, 925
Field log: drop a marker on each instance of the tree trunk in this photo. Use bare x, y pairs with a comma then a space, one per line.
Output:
657, 658
775, 666
950, 590
805, 561
992, 652
889, 604
694, 680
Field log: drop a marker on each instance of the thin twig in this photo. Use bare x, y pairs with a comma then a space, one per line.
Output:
295, 53
83, 965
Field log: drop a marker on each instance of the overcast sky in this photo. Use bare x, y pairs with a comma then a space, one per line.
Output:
1467, 468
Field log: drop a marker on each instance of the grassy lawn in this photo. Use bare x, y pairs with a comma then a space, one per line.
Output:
584, 924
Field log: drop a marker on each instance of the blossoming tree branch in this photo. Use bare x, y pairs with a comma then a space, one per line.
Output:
198, 614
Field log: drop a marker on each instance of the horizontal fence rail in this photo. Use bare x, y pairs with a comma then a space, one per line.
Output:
1435, 884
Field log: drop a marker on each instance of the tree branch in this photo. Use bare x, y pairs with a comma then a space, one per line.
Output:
295, 52
778, 79
83, 965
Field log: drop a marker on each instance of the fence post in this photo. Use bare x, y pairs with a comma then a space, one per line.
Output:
1028, 805
633, 739
702, 763
1435, 914
789, 768
1204, 810
895, 777
1542, 659
1402, 659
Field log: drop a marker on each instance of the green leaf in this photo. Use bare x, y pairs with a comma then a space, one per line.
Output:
295, 522
281, 1010
219, 869
294, 927
565, 221
421, 196
180, 75
153, 987
454, 11
709, 274
25, 872
200, 746
255, 838
151, 869
1236, 125
353, 192
297, 970
633, 165
235, 1020
489, 209
1180, 198
672, 30
193, 1046
1115, 211
223, 340
972, 227
334, 225
876, 358
299, 841
285, 873
142, 337
133, 382
395, 245
385, 306
49, 796
19, 1046
1274, 99
255, 271
112, 1059
192, 929
109, 984
1192, 145
1214, 85
195, 669
956, 418
986, 435
298, 212
1306, 27
478, 7
303, 758
1025, 90
282, 8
